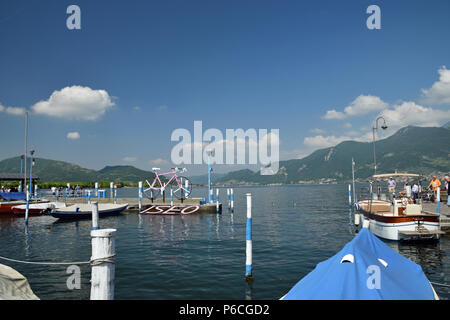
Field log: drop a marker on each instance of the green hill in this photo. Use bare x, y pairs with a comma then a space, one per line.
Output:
60, 171
423, 150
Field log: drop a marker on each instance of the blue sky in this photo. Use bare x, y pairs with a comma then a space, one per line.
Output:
232, 64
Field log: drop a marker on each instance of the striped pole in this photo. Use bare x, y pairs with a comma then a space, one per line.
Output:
228, 198
35, 191
27, 207
140, 196
111, 190
96, 189
171, 196
217, 200
248, 249
95, 215
350, 195
115, 195
186, 187
89, 195
438, 200
232, 200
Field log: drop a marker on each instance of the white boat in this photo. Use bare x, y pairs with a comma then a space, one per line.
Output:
84, 210
397, 217
37, 208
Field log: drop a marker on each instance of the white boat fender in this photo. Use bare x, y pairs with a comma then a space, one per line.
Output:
357, 219
366, 223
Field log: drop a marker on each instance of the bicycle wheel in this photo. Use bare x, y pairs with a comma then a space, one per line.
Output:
152, 192
182, 187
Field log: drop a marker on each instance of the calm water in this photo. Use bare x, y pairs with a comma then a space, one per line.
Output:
203, 256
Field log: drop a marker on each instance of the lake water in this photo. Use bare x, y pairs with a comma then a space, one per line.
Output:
203, 256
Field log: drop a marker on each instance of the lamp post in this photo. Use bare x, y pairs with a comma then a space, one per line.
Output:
21, 171
384, 127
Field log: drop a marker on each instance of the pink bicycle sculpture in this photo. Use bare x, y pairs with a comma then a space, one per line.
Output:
180, 186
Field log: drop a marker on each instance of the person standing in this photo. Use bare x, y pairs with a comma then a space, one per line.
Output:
447, 186
391, 185
415, 192
434, 184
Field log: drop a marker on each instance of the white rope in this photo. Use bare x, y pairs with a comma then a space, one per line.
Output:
440, 284
94, 262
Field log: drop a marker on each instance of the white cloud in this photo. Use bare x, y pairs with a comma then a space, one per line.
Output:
363, 104
317, 131
439, 93
75, 103
16, 111
410, 113
333, 114
324, 141
347, 125
158, 161
73, 135
129, 159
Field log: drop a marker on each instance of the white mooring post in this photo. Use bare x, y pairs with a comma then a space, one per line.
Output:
103, 266
140, 196
438, 200
228, 198
232, 200
171, 197
248, 248
96, 189
94, 206
350, 195
111, 190
217, 200
115, 194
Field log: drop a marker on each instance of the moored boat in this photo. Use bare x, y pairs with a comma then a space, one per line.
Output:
398, 216
84, 211
37, 208
8, 200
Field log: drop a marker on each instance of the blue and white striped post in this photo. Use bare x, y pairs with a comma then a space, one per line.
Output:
96, 190
217, 200
27, 207
232, 200
350, 195
140, 196
438, 200
171, 197
35, 191
89, 195
115, 195
210, 192
228, 198
95, 215
31, 174
111, 190
186, 187
248, 249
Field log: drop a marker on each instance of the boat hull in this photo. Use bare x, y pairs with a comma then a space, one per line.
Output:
74, 215
399, 228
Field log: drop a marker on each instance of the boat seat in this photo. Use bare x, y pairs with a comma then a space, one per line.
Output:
413, 209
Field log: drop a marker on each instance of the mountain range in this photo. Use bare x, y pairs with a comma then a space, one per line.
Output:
423, 150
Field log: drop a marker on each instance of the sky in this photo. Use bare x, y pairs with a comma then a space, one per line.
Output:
113, 92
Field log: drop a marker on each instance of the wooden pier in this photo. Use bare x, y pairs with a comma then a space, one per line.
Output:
133, 203
429, 207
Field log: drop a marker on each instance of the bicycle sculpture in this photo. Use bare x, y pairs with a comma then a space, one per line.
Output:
180, 186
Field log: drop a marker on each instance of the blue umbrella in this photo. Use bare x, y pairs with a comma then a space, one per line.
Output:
365, 269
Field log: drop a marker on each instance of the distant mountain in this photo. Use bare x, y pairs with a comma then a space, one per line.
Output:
203, 179
60, 171
422, 150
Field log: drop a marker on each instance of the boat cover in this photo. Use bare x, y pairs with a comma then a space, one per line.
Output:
13, 195
376, 273
14, 286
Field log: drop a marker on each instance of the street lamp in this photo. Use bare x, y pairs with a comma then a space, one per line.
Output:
384, 127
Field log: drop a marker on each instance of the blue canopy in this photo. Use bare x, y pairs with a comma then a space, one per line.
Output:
13, 195
365, 269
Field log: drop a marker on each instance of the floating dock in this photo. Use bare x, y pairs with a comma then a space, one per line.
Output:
133, 203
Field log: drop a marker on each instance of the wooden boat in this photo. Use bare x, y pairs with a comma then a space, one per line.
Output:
398, 218
84, 211
37, 208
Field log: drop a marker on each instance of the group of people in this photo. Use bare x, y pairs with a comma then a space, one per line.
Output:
70, 191
413, 191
